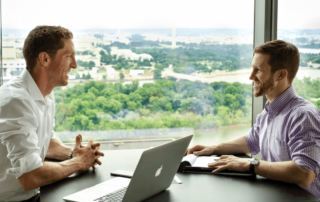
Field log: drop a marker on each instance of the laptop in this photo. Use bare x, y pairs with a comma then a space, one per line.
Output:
154, 173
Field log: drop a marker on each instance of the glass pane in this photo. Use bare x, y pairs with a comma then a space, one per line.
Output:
148, 71
302, 27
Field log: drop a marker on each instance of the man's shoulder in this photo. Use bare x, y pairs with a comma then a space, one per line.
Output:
14, 89
14, 96
301, 105
303, 109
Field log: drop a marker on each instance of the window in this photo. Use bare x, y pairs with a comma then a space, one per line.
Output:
0, 45
147, 70
298, 22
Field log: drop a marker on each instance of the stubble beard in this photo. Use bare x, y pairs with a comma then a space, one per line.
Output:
264, 88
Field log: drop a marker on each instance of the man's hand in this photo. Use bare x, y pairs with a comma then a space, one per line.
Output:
230, 162
238, 145
98, 153
83, 157
88, 155
201, 150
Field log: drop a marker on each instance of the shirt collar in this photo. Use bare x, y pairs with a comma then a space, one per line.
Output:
280, 102
32, 87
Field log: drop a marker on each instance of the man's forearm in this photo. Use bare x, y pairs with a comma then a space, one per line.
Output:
50, 172
58, 151
235, 146
286, 171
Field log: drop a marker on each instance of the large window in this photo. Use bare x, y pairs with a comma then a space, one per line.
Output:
147, 70
299, 22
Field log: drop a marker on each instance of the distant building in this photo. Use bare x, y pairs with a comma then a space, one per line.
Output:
314, 65
129, 54
144, 56
85, 43
12, 68
136, 72
112, 74
9, 51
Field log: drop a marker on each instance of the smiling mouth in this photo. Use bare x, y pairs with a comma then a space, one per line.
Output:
67, 72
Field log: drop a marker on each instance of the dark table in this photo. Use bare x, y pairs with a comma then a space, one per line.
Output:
194, 187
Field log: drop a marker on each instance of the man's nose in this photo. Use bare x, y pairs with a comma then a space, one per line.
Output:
74, 63
251, 77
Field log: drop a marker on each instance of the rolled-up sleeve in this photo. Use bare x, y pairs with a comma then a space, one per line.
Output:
18, 135
304, 140
23, 153
253, 137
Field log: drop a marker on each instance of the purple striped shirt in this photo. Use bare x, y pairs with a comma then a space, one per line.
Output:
289, 129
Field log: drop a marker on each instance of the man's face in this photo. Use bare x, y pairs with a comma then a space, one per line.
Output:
261, 75
61, 64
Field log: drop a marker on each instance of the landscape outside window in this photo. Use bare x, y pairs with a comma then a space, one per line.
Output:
148, 71
302, 27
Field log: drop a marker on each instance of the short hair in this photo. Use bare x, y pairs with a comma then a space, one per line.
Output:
283, 55
44, 39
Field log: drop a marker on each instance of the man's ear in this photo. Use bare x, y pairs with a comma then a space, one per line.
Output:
44, 59
281, 74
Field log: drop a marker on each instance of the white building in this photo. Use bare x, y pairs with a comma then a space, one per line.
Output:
9, 51
112, 74
136, 72
129, 54
12, 68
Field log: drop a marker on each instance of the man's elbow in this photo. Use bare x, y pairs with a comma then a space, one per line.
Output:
28, 182
306, 178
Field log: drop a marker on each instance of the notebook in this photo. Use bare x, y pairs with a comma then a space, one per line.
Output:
199, 164
154, 173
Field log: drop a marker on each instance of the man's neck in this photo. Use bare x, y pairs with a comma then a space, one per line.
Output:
41, 79
276, 92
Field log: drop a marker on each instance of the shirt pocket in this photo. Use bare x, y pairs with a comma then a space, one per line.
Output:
280, 149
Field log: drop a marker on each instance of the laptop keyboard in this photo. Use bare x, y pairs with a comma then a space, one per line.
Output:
112, 190
113, 197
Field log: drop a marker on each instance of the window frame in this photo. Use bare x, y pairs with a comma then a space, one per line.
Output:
1, 79
265, 29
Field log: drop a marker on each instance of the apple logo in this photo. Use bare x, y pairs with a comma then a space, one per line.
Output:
158, 172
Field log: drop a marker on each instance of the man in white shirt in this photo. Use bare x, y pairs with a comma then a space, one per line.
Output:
27, 120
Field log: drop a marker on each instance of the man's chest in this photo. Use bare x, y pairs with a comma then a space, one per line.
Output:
273, 139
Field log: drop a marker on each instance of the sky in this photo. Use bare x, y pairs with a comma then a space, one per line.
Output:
118, 14
128, 13
297, 14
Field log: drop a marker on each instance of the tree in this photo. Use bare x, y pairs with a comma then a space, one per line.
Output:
98, 105
112, 106
86, 65
160, 104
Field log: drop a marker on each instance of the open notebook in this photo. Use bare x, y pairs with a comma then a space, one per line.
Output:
199, 164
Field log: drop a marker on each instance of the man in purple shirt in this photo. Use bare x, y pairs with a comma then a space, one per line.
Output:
286, 133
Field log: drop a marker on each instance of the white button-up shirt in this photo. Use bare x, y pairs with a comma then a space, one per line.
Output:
26, 127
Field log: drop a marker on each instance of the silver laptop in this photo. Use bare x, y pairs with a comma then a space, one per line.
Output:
154, 173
